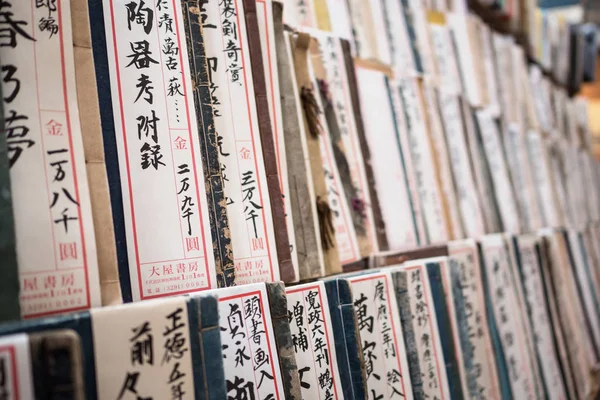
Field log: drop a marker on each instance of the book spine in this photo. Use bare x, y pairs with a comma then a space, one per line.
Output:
360, 128
98, 36
303, 211
56, 362
445, 330
282, 243
9, 285
410, 340
283, 338
223, 253
91, 130
347, 339
209, 374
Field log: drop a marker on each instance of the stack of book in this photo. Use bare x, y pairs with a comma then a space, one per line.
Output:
374, 199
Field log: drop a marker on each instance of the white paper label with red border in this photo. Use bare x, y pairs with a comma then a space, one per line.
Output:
240, 146
381, 337
143, 350
15, 368
250, 356
312, 338
56, 247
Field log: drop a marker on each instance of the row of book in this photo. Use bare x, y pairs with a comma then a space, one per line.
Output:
293, 151
508, 317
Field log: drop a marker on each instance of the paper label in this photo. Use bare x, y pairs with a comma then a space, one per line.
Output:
249, 348
541, 175
337, 77
379, 30
264, 13
397, 32
499, 172
56, 247
240, 147
168, 230
312, 338
300, 13
390, 177
15, 368
478, 364
339, 17
378, 320
447, 69
468, 202
421, 154
506, 310
540, 318
143, 350
425, 327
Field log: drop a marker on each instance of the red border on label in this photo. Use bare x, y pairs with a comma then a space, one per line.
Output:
15, 372
124, 131
318, 289
267, 331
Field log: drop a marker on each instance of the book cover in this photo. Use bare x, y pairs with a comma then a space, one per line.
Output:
285, 341
49, 182
249, 344
313, 341
266, 26
465, 291
381, 335
386, 159
305, 216
348, 348
303, 45
25, 361
284, 258
419, 318
532, 281
245, 140
151, 140
354, 100
209, 144
347, 218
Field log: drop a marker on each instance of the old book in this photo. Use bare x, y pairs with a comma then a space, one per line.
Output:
469, 203
447, 73
162, 152
81, 324
339, 19
266, 26
363, 29
219, 223
508, 314
580, 353
286, 267
25, 361
348, 347
532, 280
313, 341
153, 348
209, 375
381, 335
285, 342
421, 331
305, 216
341, 120
93, 148
489, 131
386, 158
396, 27
247, 153
379, 242
250, 338
302, 44
9, 292
466, 297
347, 215
49, 183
